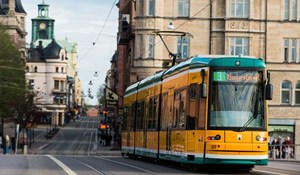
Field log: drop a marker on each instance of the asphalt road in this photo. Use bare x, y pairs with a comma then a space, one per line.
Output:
75, 150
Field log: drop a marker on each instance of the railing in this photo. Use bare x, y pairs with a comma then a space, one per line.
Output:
284, 152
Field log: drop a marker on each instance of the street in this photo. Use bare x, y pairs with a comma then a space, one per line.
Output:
75, 150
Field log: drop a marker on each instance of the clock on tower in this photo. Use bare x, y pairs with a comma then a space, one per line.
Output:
42, 26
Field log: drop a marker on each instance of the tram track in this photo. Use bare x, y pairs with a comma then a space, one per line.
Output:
85, 144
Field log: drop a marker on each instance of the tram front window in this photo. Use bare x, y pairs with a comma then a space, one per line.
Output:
237, 99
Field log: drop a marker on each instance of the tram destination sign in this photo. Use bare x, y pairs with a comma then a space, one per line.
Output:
234, 76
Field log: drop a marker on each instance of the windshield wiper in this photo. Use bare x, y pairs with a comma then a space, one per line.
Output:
249, 121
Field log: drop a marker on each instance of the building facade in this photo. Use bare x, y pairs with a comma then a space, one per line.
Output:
266, 29
12, 17
54, 74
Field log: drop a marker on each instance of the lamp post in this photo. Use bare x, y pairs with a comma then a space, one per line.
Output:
48, 118
24, 139
16, 114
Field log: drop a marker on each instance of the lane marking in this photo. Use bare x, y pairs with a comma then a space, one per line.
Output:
128, 165
99, 172
269, 172
62, 165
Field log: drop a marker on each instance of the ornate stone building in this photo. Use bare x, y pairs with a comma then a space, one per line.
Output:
53, 67
262, 28
12, 17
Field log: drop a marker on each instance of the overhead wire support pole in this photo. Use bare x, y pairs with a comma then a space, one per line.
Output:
172, 33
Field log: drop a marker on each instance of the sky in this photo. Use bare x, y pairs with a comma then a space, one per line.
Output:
83, 22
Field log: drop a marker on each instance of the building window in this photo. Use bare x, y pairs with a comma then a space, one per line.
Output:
294, 45
294, 9
183, 8
297, 93
62, 83
239, 8
138, 46
286, 50
286, 92
290, 10
140, 10
183, 47
151, 9
150, 46
35, 69
31, 84
56, 84
239, 46
56, 69
291, 50
62, 70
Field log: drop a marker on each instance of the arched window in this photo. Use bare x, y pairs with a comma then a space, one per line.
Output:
286, 92
297, 93
35, 69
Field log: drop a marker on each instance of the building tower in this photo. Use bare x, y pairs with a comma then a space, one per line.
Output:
42, 25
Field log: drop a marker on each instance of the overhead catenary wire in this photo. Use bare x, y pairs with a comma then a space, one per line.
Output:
99, 34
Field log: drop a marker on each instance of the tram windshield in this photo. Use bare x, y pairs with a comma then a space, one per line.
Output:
237, 99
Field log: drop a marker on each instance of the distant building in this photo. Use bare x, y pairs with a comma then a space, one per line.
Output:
93, 112
52, 67
12, 17
266, 29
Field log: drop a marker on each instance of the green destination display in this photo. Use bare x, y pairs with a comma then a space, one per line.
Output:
231, 76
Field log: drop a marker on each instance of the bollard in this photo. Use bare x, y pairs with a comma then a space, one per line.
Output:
25, 150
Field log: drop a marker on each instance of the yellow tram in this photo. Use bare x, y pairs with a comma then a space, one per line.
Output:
206, 110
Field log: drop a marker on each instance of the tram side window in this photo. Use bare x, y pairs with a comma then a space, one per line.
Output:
192, 108
179, 109
125, 119
165, 118
152, 113
131, 117
140, 115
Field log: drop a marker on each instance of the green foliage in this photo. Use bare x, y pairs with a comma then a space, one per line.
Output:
101, 95
12, 76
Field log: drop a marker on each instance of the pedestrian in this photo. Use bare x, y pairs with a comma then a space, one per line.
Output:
13, 144
287, 149
276, 147
7, 140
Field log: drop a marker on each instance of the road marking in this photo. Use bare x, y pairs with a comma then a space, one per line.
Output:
125, 164
89, 167
269, 172
62, 165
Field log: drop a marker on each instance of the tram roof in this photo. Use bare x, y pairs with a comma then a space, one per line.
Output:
197, 62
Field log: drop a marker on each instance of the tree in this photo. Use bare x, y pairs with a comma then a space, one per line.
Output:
12, 77
101, 95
